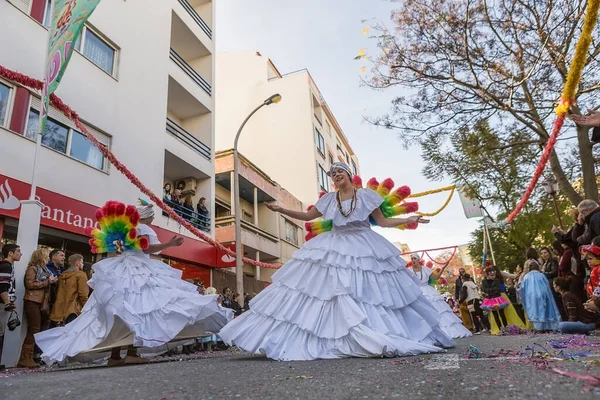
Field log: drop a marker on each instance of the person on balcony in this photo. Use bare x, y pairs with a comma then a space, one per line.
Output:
167, 192
188, 209
203, 212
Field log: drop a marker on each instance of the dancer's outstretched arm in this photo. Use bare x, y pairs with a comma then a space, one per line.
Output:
155, 248
311, 214
435, 276
394, 222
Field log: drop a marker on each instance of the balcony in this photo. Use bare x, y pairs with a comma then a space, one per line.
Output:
188, 127
255, 239
192, 181
191, 72
190, 140
192, 11
200, 221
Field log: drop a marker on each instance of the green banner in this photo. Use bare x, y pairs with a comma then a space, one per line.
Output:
68, 18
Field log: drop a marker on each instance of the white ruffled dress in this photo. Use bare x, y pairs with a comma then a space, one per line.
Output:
345, 293
134, 294
450, 323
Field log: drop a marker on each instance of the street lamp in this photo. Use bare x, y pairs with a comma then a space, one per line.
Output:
550, 186
239, 271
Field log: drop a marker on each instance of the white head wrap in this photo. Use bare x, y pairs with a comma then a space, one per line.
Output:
339, 165
145, 211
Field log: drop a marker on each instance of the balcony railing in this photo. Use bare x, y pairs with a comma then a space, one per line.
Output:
200, 221
196, 17
248, 226
191, 72
192, 141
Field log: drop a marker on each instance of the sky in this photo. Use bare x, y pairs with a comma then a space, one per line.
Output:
324, 36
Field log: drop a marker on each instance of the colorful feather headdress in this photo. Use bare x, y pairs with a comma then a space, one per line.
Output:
393, 205
118, 229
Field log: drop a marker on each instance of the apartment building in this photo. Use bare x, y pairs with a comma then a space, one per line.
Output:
294, 141
266, 236
141, 78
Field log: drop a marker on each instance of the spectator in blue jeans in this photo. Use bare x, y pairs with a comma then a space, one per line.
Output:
580, 320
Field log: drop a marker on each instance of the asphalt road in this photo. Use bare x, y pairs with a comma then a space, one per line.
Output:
231, 375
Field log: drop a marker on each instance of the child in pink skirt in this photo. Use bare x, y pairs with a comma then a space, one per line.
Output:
494, 302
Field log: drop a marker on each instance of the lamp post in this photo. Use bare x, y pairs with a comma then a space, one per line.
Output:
239, 265
550, 186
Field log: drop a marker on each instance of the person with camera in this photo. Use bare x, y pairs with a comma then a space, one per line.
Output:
10, 253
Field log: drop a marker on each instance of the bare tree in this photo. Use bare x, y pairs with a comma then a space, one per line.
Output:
461, 61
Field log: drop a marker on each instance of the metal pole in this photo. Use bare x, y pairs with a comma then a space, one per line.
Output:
487, 233
557, 211
239, 265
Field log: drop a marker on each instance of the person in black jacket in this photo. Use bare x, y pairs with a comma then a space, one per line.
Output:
235, 305
463, 308
588, 222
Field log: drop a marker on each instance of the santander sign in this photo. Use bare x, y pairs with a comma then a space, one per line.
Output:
59, 211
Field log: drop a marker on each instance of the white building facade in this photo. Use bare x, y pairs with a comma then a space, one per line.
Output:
295, 141
145, 90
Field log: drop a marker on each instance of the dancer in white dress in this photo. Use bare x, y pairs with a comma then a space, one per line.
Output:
134, 294
345, 293
450, 323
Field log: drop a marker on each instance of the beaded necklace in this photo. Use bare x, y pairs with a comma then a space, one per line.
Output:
352, 204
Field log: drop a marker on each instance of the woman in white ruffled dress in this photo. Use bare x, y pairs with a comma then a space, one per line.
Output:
450, 323
134, 294
345, 293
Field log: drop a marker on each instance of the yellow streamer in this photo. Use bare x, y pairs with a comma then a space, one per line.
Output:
434, 191
433, 214
568, 96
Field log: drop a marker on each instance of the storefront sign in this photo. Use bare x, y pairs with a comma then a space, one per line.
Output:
67, 214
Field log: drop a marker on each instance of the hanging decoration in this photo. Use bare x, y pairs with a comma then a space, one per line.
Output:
567, 99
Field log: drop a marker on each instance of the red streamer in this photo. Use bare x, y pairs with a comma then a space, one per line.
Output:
443, 262
424, 251
558, 124
73, 116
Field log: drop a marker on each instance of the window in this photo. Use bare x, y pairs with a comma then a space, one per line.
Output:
291, 233
354, 169
323, 178
347, 159
64, 139
221, 211
320, 142
330, 158
247, 217
83, 150
328, 128
97, 50
55, 134
48, 14
4, 102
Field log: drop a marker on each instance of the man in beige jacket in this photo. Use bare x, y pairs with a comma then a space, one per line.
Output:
72, 292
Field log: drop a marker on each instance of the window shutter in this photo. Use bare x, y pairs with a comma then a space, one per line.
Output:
23, 5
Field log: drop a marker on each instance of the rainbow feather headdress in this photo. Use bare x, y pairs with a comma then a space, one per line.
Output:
118, 229
393, 205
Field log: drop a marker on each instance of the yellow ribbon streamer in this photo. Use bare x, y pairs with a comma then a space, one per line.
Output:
433, 214
570, 90
434, 191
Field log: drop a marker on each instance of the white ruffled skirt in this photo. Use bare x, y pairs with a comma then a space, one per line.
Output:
133, 294
344, 294
449, 322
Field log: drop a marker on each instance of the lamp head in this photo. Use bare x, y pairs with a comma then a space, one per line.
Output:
274, 99
550, 185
